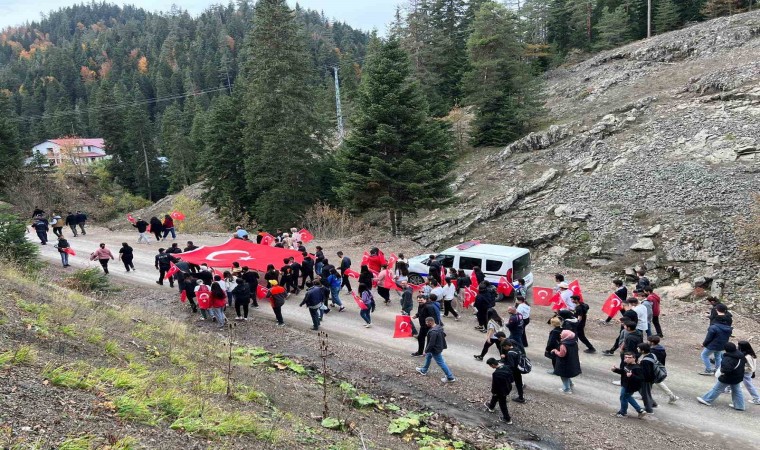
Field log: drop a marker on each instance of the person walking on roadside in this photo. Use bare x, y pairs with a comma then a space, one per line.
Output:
252, 278
156, 227
314, 300
369, 302
295, 274
581, 313
126, 256
203, 297
277, 295
511, 353
647, 362
501, 386
622, 293
425, 310
714, 302
655, 300
750, 367
631, 377
449, 293
344, 265
731, 375
385, 283
189, 288
319, 258
62, 245
168, 227
629, 315
307, 269
642, 314
482, 305
57, 223
495, 325
82, 221
659, 352
407, 303
515, 324
71, 221
40, 226
142, 229
553, 342
242, 293
523, 308
718, 334
102, 254
218, 303
436, 344
163, 262
334, 282
568, 364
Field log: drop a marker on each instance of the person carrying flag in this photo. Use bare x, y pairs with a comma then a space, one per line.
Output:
277, 295
581, 313
369, 301
425, 311
142, 229
163, 263
62, 245
407, 303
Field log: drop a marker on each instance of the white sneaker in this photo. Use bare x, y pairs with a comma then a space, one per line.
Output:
369, 325
616, 382
703, 401
419, 371
448, 380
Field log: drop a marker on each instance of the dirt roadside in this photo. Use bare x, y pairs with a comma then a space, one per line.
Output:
381, 365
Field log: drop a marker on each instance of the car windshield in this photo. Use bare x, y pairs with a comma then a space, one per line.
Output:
521, 266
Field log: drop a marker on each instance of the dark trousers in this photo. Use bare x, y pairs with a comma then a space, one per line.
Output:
162, 275
241, 304
656, 323
81, 227
104, 263
278, 313
345, 281
421, 339
314, 312
292, 284
42, 234
309, 275
447, 308
58, 231
525, 335
617, 341
385, 293
488, 345
193, 306
128, 264
253, 297
581, 332
646, 396
482, 316
156, 233
502, 401
517, 376
73, 229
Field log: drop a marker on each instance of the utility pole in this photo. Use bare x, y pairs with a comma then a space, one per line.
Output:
337, 104
649, 19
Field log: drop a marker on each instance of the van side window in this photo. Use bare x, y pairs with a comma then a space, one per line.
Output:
446, 261
467, 263
493, 266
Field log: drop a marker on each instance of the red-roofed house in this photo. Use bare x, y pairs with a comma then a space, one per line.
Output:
74, 150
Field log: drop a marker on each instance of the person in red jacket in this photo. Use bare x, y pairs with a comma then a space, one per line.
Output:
655, 299
277, 295
376, 260
169, 227
218, 302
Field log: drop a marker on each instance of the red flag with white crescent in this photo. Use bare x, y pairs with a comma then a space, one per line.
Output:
575, 286
351, 273
359, 301
392, 261
558, 302
469, 297
306, 236
504, 287
176, 215
131, 219
70, 251
403, 327
261, 291
267, 239
542, 296
612, 305
172, 270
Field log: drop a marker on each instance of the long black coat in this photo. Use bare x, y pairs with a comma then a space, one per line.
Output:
553, 341
568, 366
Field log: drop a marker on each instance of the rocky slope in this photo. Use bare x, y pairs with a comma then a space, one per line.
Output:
653, 160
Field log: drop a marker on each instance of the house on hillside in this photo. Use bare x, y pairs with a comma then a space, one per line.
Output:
76, 151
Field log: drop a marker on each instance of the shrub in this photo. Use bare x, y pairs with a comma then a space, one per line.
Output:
327, 222
192, 209
89, 280
14, 246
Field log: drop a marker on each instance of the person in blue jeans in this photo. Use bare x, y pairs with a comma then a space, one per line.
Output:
335, 281
718, 334
369, 301
436, 344
631, 377
731, 375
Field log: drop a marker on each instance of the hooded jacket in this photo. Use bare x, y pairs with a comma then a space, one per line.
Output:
277, 296
501, 381
436, 341
568, 364
718, 334
732, 367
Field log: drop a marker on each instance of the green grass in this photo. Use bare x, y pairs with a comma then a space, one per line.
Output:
78, 443
94, 335
75, 377
112, 349
68, 330
25, 354
224, 424
136, 409
125, 443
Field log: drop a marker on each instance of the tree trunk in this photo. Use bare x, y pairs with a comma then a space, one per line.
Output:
392, 217
399, 215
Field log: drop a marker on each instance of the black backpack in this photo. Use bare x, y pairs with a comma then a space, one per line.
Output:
523, 363
660, 372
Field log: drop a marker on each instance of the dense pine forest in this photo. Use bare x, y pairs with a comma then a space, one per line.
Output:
243, 95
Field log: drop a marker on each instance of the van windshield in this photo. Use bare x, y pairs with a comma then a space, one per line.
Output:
521, 267
446, 261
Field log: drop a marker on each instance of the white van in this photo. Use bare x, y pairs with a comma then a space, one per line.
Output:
494, 260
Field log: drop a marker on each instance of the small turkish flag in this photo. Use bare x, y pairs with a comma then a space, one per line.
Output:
469, 297
183, 296
575, 286
176, 215
558, 302
392, 261
403, 327
365, 259
70, 251
443, 275
261, 291
351, 273
473, 280
172, 270
612, 305
417, 287
306, 236
267, 239
131, 219
542, 296
359, 301
504, 287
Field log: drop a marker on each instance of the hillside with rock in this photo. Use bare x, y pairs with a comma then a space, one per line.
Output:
652, 160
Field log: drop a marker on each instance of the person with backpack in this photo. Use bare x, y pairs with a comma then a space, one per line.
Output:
495, 324
501, 386
57, 223
218, 303
81, 219
242, 293
277, 295
62, 245
718, 335
523, 309
163, 262
659, 352
749, 370
731, 375
651, 372
568, 365
71, 221
631, 377
581, 313
102, 254
514, 359
203, 297
436, 344
369, 302
553, 342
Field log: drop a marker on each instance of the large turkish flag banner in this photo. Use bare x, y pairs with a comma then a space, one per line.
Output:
255, 256
542, 296
612, 305
403, 327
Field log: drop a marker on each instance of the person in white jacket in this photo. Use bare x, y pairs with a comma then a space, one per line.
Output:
749, 370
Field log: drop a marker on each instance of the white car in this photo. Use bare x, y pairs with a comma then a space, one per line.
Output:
494, 260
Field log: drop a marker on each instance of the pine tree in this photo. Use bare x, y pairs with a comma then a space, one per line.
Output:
10, 148
613, 29
176, 146
499, 83
666, 16
396, 157
283, 132
717, 8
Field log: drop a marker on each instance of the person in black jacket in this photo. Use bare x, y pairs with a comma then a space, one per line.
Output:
425, 310
510, 354
307, 270
436, 344
345, 264
242, 293
365, 276
71, 221
174, 249
40, 225
714, 302
631, 377
314, 299
628, 315
252, 278
163, 263
622, 293
501, 386
568, 364
295, 274
581, 312
142, 227
126, 256
434, 267
62, 245
552, 342
731, 375
646, 361
189, 285
156, 227
482, 304
81, 221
